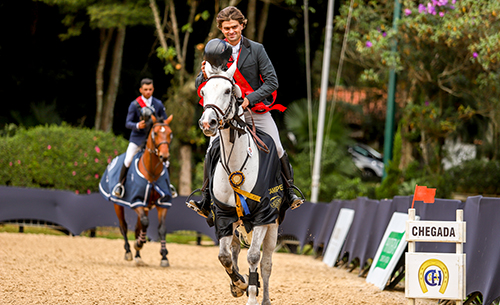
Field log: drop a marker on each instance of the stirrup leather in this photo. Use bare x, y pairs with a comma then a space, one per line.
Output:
173, 190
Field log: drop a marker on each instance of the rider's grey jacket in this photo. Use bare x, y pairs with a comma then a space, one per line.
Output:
253, 63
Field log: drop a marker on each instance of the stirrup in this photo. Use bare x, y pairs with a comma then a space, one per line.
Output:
173, 190
297, 203
119, 190
192, 205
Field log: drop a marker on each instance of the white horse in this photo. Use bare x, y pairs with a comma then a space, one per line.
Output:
238, 154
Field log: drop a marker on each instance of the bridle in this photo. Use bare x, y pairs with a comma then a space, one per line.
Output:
155, 149
223, 115
225, 121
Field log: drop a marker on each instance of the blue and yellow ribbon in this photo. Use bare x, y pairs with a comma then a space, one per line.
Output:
236, 179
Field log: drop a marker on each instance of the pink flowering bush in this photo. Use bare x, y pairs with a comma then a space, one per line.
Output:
57, 157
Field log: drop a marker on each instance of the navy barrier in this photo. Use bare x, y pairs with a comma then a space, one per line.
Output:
311, 224
79, 213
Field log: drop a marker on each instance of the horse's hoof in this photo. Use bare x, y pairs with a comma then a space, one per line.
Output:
164, 263
139, 262
235, 291
128, 256
242, 285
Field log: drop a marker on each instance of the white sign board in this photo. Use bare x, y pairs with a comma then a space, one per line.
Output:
435, 276
436, 231
339, 233
389, 251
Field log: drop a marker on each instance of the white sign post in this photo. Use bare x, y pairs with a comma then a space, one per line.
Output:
389, 251
435, 275
339, 233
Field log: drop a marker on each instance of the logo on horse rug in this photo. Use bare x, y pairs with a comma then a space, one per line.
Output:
138, 190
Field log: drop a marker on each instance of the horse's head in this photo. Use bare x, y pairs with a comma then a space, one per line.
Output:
160, 137
219, 97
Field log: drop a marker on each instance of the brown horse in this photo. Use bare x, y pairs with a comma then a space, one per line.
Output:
151, 166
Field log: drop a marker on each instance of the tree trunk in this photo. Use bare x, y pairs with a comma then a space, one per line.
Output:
159, 30
185, 170
263, 21
106, 36
114, 81
251, 25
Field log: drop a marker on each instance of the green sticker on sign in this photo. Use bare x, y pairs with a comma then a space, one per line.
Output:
389, 249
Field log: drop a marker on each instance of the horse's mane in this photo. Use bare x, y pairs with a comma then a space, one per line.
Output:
218, 70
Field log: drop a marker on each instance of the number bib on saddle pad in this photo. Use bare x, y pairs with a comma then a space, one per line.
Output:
138, 190
269, 187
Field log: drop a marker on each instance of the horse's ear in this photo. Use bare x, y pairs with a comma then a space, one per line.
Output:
237, 90
153, 118
208, 69
169, 119
232, 69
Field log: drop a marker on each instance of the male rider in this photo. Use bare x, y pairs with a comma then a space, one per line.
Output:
257, 78
139, 133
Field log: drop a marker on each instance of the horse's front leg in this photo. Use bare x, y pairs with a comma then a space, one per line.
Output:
266, 263
120, 213
141, 229
253, 258
162, 231
238, 282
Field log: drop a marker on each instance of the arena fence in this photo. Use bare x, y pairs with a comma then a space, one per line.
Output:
311, 224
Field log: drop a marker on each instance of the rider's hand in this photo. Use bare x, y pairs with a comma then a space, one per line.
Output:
245, 103
141, 124
203, 69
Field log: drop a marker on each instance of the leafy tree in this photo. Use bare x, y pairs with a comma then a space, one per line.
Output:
111, 18
448, 66
340, 178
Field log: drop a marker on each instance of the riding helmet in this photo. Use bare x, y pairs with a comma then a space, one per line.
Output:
218, 52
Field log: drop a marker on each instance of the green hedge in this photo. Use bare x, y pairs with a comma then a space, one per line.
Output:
57, 157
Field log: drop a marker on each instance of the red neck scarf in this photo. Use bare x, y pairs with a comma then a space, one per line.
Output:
246, 89
140, 101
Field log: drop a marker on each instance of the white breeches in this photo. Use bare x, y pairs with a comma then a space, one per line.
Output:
265, 123
132, 150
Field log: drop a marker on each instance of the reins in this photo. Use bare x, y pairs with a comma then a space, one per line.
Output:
222, 116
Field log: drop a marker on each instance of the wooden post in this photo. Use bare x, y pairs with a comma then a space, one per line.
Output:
460, 245
411, 249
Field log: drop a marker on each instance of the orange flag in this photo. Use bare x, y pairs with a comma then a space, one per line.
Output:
422, 193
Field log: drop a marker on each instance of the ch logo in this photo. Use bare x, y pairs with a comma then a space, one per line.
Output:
432, 273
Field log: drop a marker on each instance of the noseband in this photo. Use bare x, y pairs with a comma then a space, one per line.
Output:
222, 115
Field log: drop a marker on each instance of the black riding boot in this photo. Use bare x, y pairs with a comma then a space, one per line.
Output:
202, 207
119, 189
287, 170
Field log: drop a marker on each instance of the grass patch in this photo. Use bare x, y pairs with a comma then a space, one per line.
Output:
178, 237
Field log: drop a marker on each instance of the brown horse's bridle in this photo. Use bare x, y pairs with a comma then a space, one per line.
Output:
155, 150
